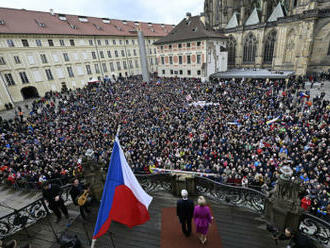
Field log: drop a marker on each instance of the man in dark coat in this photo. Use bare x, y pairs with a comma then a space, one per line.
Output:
185, 212
52, 193
76, 191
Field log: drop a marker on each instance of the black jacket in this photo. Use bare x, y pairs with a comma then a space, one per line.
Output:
185, 209
75, 192
51, 193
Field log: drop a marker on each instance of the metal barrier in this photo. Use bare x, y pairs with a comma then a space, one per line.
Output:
22, 218
254, 200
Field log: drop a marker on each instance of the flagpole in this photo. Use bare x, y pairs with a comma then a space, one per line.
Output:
93, 243
118, 130
94, 240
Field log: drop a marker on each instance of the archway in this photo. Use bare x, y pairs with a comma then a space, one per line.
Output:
29, 92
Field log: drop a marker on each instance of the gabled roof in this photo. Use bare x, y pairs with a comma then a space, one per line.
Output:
233, 22
253, 18
189, 29
277, 13
21, 21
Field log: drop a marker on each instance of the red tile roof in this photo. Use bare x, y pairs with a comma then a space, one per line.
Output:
21, 21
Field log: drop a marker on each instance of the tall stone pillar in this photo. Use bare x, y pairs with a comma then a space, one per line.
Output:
264, 11
143, 57
242, 19
283, 209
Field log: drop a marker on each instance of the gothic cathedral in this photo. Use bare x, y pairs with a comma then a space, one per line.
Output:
274, 34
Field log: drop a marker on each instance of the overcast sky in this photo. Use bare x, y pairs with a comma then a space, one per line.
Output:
159, 11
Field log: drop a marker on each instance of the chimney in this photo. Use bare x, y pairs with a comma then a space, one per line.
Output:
188, 15
51, 11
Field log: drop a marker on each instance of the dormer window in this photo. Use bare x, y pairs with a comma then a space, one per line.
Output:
149, 24
162, 25
62, 17
40, 24
73, 26
106, 20
124, 22
98, 27
136, 23
117, 27
2, 22
82, 18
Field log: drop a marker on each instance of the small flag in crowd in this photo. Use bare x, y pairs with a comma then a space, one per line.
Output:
273, 120
303, 95
123, 199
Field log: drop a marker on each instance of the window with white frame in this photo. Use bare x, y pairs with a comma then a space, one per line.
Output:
51, 43
10, 43
118, 66
23, 77
49, 74
16, 59
43, 58
104, 67
66, 57
97, 68
25, 43
112, 68
88, 69
38, 43
2, 61
9, 79
109, 54
70, 71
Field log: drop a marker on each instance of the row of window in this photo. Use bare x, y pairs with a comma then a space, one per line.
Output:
250, 49
198, 61
188, 44
49, 75
44, 60
39, 43
181, 72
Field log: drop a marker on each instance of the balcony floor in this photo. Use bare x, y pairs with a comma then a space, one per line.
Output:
237, 228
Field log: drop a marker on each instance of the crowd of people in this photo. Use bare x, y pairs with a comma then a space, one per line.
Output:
243, 131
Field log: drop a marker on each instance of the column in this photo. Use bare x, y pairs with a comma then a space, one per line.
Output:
143, 57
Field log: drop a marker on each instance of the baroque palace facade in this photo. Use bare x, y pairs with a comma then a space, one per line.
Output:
44, 51
290, 35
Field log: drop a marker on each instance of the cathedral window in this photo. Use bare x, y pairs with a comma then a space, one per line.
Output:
250, 49
231, 46
269, 47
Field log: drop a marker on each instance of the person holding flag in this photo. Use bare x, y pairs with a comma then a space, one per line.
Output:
123, 198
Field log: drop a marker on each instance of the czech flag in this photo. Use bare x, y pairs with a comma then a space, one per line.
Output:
302, 95
123, 199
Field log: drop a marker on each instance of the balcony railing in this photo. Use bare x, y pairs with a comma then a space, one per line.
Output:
254, 200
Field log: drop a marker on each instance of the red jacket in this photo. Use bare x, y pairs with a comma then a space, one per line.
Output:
305, 203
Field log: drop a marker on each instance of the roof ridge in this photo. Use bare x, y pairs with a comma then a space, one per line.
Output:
76, 15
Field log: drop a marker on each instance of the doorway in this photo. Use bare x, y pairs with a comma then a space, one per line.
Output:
29, 92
